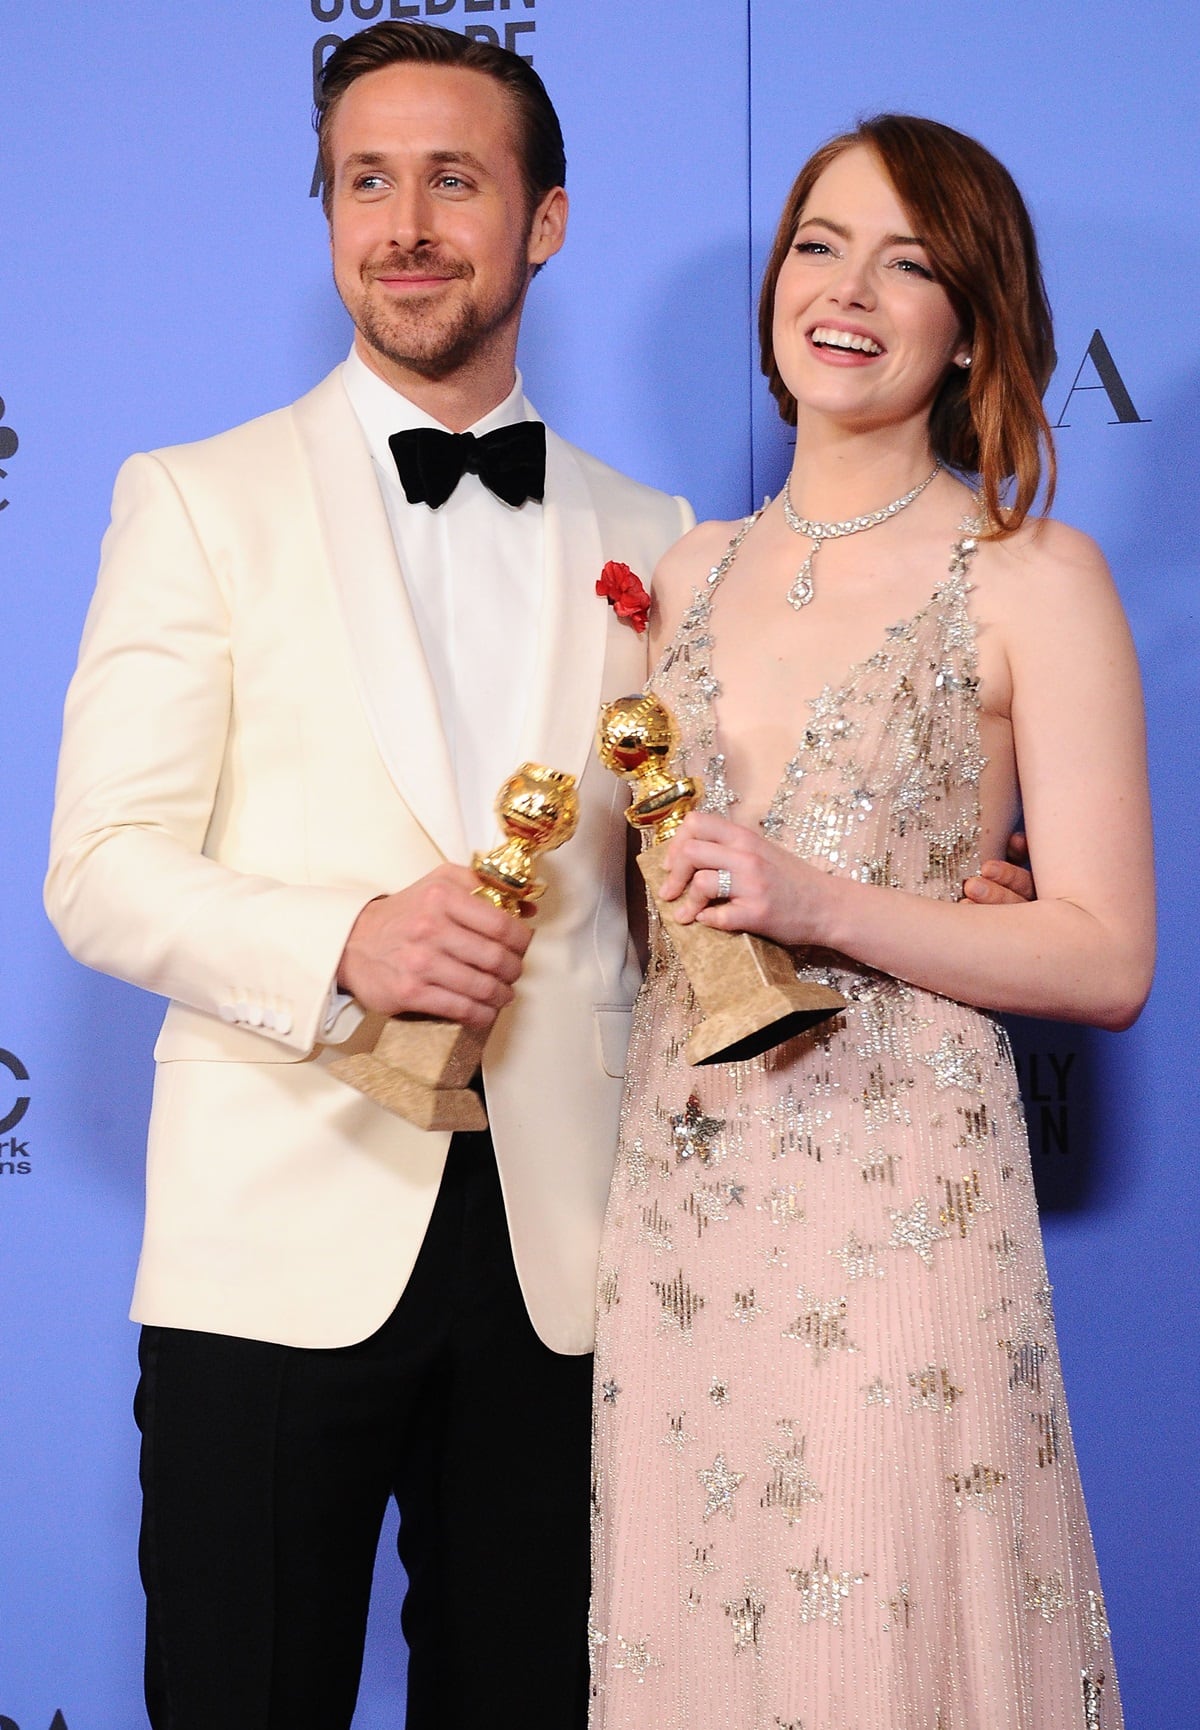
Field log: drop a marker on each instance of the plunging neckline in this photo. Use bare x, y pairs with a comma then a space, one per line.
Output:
962, 549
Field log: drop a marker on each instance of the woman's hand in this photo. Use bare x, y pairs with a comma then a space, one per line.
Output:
769, 890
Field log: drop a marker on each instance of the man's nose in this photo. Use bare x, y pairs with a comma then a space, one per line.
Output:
411, 217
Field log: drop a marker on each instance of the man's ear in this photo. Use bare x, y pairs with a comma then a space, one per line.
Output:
548, 229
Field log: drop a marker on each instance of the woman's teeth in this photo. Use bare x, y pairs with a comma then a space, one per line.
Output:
824, 338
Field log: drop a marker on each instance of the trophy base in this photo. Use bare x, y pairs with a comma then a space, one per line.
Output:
420, 1069
750, 1028
748, 985
453, 1108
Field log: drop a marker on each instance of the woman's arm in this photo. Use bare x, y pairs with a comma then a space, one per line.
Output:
1084, 950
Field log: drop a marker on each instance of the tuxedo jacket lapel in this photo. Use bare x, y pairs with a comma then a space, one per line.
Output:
560, 720
391, 671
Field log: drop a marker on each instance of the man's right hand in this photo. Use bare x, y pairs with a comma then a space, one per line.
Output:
435, 948
1004, 882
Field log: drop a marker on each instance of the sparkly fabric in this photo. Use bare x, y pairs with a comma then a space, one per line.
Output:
834, 1481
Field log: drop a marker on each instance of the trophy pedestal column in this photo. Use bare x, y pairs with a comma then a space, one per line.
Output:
420, 1069
746, 985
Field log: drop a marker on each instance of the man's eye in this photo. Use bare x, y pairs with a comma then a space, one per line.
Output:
368, 182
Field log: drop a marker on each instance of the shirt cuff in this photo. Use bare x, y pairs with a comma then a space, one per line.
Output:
342, 1016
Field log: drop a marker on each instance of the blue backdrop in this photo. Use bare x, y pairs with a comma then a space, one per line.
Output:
163, 274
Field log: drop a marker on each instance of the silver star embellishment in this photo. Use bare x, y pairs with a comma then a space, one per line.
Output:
702, 1562
720, 1487
858, 1258
823, 1591
610, 1390
915, 1230
1045, 1595
820, 1326
708, 1202
719, 795
637, 1166
635, 1657
909, 802
953, 1064
827, 704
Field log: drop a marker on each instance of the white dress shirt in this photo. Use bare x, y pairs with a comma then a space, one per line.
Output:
475, 574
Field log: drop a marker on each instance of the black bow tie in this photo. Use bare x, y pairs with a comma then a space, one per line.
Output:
511, 462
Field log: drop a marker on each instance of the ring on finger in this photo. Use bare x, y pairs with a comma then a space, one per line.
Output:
724, 886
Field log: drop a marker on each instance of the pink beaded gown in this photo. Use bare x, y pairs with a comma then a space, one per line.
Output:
834, 1481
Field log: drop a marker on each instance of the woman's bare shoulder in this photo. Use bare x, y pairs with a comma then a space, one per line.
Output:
685, 565
1044, 545
701, 546
1045, 567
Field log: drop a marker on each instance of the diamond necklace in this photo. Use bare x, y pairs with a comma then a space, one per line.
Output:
801, 591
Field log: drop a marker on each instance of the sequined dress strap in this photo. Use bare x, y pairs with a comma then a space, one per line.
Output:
721, 568
684, 679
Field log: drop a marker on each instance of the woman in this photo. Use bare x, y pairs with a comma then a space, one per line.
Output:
835, 1482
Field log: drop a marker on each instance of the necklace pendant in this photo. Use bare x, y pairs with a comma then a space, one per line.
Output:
801, 591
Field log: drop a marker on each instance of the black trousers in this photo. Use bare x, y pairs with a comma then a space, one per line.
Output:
266, 1471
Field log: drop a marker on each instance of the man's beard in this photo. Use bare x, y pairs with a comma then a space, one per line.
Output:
433, 342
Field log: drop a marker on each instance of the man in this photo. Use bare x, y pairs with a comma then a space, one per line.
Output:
305, 672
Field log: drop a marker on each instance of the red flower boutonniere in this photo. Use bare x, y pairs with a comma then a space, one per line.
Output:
624, 593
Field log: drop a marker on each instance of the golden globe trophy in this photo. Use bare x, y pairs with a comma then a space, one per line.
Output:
747, 986
421, 1068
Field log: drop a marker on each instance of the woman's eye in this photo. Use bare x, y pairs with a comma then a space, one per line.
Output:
811, 246
911, 267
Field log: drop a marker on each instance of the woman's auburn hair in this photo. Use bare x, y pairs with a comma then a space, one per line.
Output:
986, 420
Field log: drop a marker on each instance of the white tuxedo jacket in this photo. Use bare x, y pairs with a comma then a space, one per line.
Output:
252, 750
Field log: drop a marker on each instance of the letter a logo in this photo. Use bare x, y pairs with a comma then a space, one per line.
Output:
1109, 380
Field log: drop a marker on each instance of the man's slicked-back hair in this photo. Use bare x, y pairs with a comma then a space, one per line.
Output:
539, 135
987, 421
